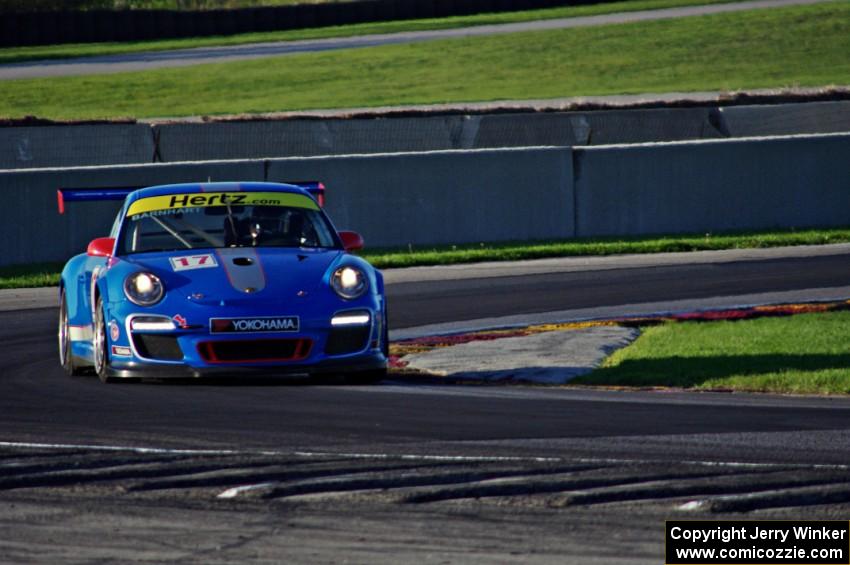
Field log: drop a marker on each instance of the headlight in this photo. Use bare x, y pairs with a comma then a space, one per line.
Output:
349, 282
144, 289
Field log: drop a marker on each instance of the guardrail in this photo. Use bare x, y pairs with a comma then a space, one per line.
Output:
488, 195
47, 28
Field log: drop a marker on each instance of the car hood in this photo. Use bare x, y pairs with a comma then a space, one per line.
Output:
238, 274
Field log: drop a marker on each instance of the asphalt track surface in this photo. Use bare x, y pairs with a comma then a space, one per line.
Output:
407, 472
32, 386
431, 302
188, 57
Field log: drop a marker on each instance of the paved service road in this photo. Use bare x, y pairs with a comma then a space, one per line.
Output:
411, 473
187, 57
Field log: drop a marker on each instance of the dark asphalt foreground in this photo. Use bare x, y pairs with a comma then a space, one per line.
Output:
403, 473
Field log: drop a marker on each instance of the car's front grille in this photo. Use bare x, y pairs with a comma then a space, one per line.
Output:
347, 340
255, 351
157, 346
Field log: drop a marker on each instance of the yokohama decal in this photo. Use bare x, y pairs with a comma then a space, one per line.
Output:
252, 325
190, 262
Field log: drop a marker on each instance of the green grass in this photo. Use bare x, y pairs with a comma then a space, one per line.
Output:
18, 54
802, 354
47, 274
454, 254
30, 276
805, 45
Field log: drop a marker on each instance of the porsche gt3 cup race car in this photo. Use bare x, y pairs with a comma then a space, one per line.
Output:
221, 278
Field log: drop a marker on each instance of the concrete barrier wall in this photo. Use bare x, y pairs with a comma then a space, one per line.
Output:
33, 231
595, 128
307, 137
444, 197
415, 198
84, 145
283, 138
487, 195
749, 184
75, 146
786, 119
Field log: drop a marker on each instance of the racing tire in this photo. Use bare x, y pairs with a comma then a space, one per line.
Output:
66, 356
100, 345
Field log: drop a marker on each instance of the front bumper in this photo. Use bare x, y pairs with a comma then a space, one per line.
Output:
374, 361
317, 347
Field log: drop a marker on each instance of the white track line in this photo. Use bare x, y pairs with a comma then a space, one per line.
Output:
68, 446
305, 454
414, 457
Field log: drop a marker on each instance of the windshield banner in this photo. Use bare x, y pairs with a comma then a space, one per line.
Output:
204, 199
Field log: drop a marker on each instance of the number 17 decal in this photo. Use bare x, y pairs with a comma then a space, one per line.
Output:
189, 262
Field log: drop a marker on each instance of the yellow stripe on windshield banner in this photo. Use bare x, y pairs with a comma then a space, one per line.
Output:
205, 199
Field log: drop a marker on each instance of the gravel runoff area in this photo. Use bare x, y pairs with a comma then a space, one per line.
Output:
551, 358
189, 57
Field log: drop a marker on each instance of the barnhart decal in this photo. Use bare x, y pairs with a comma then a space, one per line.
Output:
191, 262
170, 212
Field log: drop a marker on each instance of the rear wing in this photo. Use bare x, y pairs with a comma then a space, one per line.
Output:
63, 195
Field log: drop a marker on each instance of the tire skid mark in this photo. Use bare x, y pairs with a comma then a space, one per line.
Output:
275, 475
10, 469
628, 479
780, 498
105, 471
386, 481
712, 486
306, 477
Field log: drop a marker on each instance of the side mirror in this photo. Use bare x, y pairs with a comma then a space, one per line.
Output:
351, 240
101, 247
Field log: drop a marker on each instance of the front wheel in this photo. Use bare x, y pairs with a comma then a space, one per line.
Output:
100, 344
66, 355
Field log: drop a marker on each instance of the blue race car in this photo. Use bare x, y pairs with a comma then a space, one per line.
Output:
221, 278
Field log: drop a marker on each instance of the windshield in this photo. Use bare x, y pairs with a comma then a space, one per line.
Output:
224, 225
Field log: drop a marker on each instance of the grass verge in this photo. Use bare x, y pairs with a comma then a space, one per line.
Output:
801, 45
30, 276
516, 251
20, 54
802, 354
47, 274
